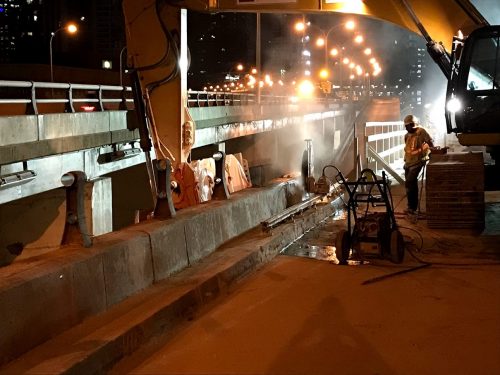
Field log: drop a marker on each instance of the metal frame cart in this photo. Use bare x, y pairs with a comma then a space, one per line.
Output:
373, 230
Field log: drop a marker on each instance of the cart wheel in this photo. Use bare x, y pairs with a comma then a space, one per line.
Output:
397, 246
342, 246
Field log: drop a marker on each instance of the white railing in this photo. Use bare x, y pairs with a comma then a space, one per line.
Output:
28, 97
386, 140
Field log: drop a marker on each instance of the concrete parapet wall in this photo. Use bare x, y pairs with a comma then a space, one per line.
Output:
35, 136
18, 129
40, 298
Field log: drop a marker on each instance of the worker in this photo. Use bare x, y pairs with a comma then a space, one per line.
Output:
418, 144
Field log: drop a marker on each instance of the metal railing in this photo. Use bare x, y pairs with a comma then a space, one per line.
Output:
62, 97
386, 139
215, 98
29, 97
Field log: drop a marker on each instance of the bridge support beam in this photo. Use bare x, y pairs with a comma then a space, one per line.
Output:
89, 209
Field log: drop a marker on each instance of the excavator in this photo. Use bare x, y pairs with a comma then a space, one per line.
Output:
459, 39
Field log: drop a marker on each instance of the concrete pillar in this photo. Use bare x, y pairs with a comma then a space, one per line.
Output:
99, 205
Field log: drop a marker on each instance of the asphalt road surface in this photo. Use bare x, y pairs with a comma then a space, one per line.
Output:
299, 315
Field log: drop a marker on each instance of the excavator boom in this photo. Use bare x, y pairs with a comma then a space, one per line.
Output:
156, 45
157, 50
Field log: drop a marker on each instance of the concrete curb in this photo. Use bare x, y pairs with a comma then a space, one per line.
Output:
42, 297
100, 341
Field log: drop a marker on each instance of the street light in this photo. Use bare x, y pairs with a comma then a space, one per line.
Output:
323, 40
359, 39
121, 64
71, 29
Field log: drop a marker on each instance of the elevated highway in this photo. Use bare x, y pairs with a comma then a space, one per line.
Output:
49, 130
44, 136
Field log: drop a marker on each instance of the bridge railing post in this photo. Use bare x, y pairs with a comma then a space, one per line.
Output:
101, 104
31, 108
69, 104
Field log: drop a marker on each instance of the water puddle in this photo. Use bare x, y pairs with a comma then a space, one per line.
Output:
325, 253
319, 242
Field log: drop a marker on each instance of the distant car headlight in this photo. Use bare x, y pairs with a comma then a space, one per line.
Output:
454, 105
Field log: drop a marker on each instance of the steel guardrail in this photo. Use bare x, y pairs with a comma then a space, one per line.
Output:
31, 94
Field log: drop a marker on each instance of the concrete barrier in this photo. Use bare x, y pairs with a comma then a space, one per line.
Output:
44, 296
97, 343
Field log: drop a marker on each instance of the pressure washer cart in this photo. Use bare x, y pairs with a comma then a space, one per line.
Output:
375, 230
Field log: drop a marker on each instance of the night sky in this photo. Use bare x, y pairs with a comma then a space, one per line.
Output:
217, 42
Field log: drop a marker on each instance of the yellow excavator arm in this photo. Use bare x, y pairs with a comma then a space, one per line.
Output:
158, 53
157, 47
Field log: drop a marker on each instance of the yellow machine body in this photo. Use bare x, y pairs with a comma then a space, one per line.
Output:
148, 20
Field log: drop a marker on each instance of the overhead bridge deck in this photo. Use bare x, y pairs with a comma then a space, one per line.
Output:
76, 283
49, 129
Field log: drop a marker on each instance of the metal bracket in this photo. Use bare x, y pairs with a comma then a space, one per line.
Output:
76, 224
16, 178
164, 208
221, 191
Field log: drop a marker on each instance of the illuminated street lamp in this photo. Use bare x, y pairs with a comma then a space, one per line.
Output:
322, 41
349, 25
305, 89
71, 29
300, 26
359, 39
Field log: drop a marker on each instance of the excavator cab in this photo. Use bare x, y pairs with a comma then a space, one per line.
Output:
473, 95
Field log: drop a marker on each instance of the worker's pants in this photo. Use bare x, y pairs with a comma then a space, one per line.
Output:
411, 184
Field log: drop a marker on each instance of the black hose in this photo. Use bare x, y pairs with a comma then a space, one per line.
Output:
383, 277
419, 249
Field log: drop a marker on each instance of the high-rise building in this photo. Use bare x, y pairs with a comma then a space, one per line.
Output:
217, 43
26, 27
22, 30
105, 32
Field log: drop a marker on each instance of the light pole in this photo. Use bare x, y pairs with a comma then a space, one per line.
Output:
121, 65
349, 25
71, 28
323, 40
367, 75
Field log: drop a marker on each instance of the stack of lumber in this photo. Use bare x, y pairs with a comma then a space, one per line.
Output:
455, 191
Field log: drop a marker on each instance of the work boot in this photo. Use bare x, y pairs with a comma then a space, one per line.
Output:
411, 216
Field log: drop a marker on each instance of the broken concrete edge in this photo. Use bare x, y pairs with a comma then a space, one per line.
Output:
161, 307
76, 283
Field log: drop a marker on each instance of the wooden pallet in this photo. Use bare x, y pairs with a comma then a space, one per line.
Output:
455, 191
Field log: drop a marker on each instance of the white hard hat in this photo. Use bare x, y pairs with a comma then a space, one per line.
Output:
410, 119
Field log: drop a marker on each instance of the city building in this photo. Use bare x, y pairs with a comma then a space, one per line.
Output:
26, 27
